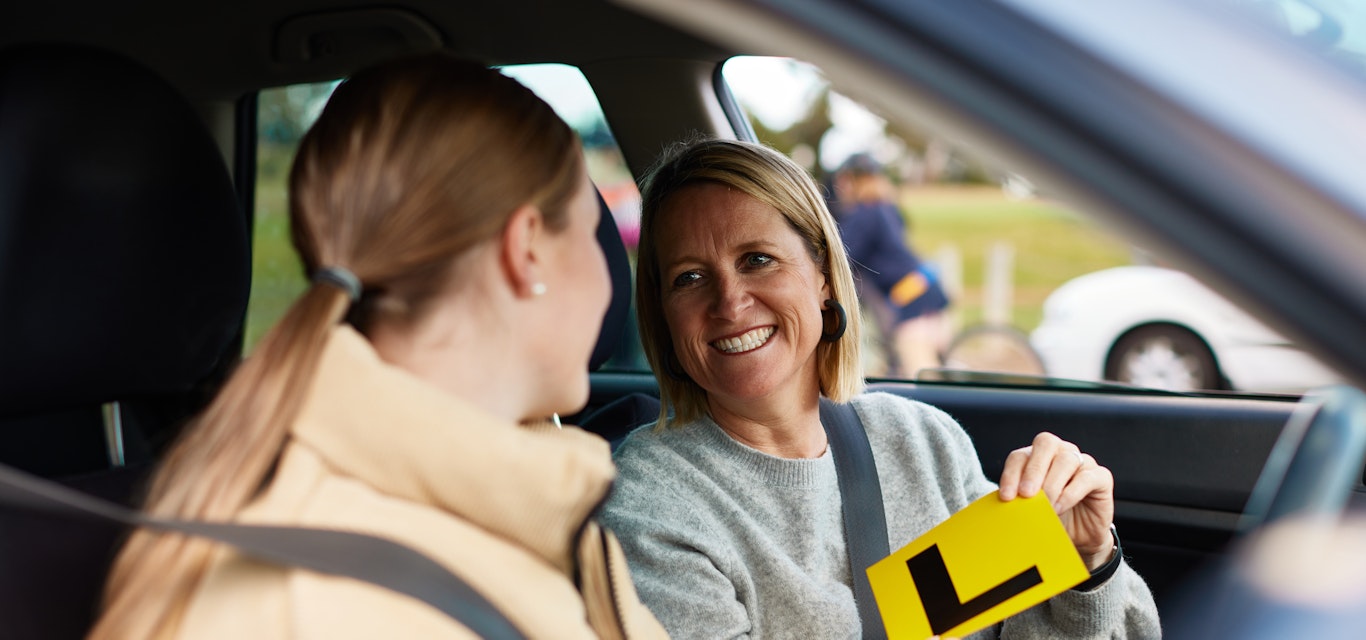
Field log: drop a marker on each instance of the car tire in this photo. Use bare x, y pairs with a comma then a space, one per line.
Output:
1163, 356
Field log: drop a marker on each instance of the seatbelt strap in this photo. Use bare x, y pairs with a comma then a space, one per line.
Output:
865, 520
362, 557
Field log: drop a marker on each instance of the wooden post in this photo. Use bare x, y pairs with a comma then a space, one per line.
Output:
949, 260
998, 304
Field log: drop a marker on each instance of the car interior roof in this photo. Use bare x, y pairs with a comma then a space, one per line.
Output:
222, 50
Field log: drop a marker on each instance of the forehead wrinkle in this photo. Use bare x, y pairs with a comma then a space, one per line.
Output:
722, 244
744, 230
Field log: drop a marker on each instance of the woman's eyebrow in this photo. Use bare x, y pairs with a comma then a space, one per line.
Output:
744, 247
754, 245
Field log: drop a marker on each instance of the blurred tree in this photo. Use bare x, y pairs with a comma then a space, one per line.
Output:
284, 114
808, 130
923, 159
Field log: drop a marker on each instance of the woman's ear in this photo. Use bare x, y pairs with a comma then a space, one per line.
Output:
519, 250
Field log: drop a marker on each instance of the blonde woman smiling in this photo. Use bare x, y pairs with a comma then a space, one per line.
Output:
729, 508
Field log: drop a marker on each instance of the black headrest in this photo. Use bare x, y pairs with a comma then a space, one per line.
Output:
124, 257
619, 313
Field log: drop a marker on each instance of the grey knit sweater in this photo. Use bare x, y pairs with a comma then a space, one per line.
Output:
725, 541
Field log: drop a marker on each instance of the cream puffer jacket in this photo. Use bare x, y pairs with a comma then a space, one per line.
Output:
506, 508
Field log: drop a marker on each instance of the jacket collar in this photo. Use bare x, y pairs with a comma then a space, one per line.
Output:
406, 438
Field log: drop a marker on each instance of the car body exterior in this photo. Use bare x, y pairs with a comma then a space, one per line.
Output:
1161, 328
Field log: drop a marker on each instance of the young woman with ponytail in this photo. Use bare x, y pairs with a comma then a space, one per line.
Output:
447, 220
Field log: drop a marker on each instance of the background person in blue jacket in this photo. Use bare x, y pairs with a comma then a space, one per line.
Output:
890, 275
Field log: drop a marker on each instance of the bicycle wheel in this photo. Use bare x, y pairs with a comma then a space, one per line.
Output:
997, 348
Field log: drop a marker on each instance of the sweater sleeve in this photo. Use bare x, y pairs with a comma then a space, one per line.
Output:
1123, 607
961, 458
680, 576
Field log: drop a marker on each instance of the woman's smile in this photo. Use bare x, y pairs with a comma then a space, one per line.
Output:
745, 342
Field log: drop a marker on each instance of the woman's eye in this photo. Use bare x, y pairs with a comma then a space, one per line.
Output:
686, 278
758, 260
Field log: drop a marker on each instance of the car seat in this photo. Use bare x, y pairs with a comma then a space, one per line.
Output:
124, 275
617, 417
619, 268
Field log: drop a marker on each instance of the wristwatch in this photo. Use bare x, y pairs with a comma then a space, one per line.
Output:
1100, 575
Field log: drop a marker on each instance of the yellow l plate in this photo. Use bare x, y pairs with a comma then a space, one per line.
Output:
989, 561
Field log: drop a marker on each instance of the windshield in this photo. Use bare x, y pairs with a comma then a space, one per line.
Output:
1242, 64
1334, 29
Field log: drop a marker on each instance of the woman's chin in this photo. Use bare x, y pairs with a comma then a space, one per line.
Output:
570, 397
744, 390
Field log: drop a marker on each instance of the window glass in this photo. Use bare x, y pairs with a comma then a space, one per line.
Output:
284, 114
565, 88
1033, 286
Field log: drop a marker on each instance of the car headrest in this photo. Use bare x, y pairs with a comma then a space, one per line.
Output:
619, 266
124, 256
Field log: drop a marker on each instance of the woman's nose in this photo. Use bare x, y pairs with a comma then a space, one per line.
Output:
730, 297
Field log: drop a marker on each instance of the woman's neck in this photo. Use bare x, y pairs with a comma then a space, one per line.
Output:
784, 430
463, 353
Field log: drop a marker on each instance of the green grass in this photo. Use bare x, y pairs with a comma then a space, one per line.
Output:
1052, 244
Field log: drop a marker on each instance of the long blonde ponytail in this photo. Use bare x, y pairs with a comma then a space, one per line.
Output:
410, 165
219, 465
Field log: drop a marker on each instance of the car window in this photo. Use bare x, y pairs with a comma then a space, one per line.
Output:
1035, 289
568, 91
282, 116
285, 113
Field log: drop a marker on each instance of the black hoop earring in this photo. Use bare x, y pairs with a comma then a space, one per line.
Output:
843, 324
673, 369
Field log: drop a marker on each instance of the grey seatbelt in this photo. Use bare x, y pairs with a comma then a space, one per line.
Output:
342, 553
865, 520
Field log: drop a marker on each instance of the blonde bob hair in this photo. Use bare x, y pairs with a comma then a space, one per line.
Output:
774, 179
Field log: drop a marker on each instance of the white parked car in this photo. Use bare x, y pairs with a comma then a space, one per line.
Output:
1159, 328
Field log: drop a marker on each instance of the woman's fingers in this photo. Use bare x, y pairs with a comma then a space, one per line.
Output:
1089, 478
1066, 465
1010, 476
1080, 490
1047, 464
1087, 508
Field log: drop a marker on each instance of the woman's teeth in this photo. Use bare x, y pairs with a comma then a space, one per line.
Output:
749, 341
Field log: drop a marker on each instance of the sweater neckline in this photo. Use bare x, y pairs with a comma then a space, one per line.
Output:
801, 473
